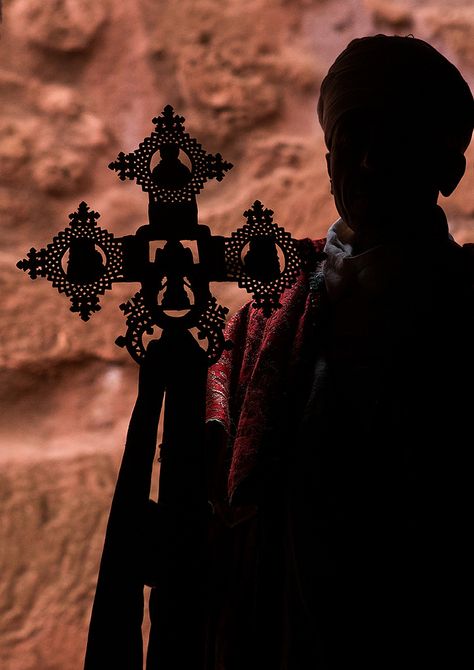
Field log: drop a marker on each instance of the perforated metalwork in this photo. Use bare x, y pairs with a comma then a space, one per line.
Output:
139, 322
170, 130
48, 262
260, 224
210, 326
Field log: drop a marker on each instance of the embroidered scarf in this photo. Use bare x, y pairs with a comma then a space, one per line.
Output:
250, 386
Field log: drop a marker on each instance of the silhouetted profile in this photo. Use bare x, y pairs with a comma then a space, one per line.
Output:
343, 503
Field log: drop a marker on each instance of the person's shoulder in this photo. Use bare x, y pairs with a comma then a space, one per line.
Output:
461, 263
455, 298
468, 251
308, 258
311, 252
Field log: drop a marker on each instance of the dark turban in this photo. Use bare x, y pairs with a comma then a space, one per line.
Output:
404, 79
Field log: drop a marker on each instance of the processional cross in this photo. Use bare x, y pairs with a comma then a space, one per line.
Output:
163, 544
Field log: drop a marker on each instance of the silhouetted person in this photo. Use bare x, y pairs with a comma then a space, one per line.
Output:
169, 216
261, 260
342, 487
170, 171
175, 262
85, 263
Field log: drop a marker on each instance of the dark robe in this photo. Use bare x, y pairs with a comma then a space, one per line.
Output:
347, 536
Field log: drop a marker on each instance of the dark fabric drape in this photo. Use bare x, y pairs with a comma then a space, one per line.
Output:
359, 471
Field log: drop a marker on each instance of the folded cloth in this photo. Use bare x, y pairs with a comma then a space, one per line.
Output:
401, 76
249, 386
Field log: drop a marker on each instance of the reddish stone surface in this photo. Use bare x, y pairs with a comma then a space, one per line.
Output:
81, 80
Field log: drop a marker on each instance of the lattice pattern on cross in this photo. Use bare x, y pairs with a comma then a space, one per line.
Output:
83, 260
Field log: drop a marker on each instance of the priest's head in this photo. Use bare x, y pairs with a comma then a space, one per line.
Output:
397, 118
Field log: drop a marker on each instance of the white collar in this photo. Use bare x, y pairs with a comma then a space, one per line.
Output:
342, 268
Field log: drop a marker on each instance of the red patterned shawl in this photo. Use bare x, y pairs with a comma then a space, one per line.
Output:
248, 386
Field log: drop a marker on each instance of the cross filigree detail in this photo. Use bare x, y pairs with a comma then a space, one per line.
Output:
49, 262
84, 260
266, 283
169, 130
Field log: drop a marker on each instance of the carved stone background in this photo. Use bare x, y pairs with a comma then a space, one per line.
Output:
80, 81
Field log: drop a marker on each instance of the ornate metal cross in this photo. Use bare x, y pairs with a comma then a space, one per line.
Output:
171, 282
162, 544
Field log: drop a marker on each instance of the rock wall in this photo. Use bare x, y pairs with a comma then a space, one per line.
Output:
81, 80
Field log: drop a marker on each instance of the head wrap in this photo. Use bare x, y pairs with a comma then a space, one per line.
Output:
401, 77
